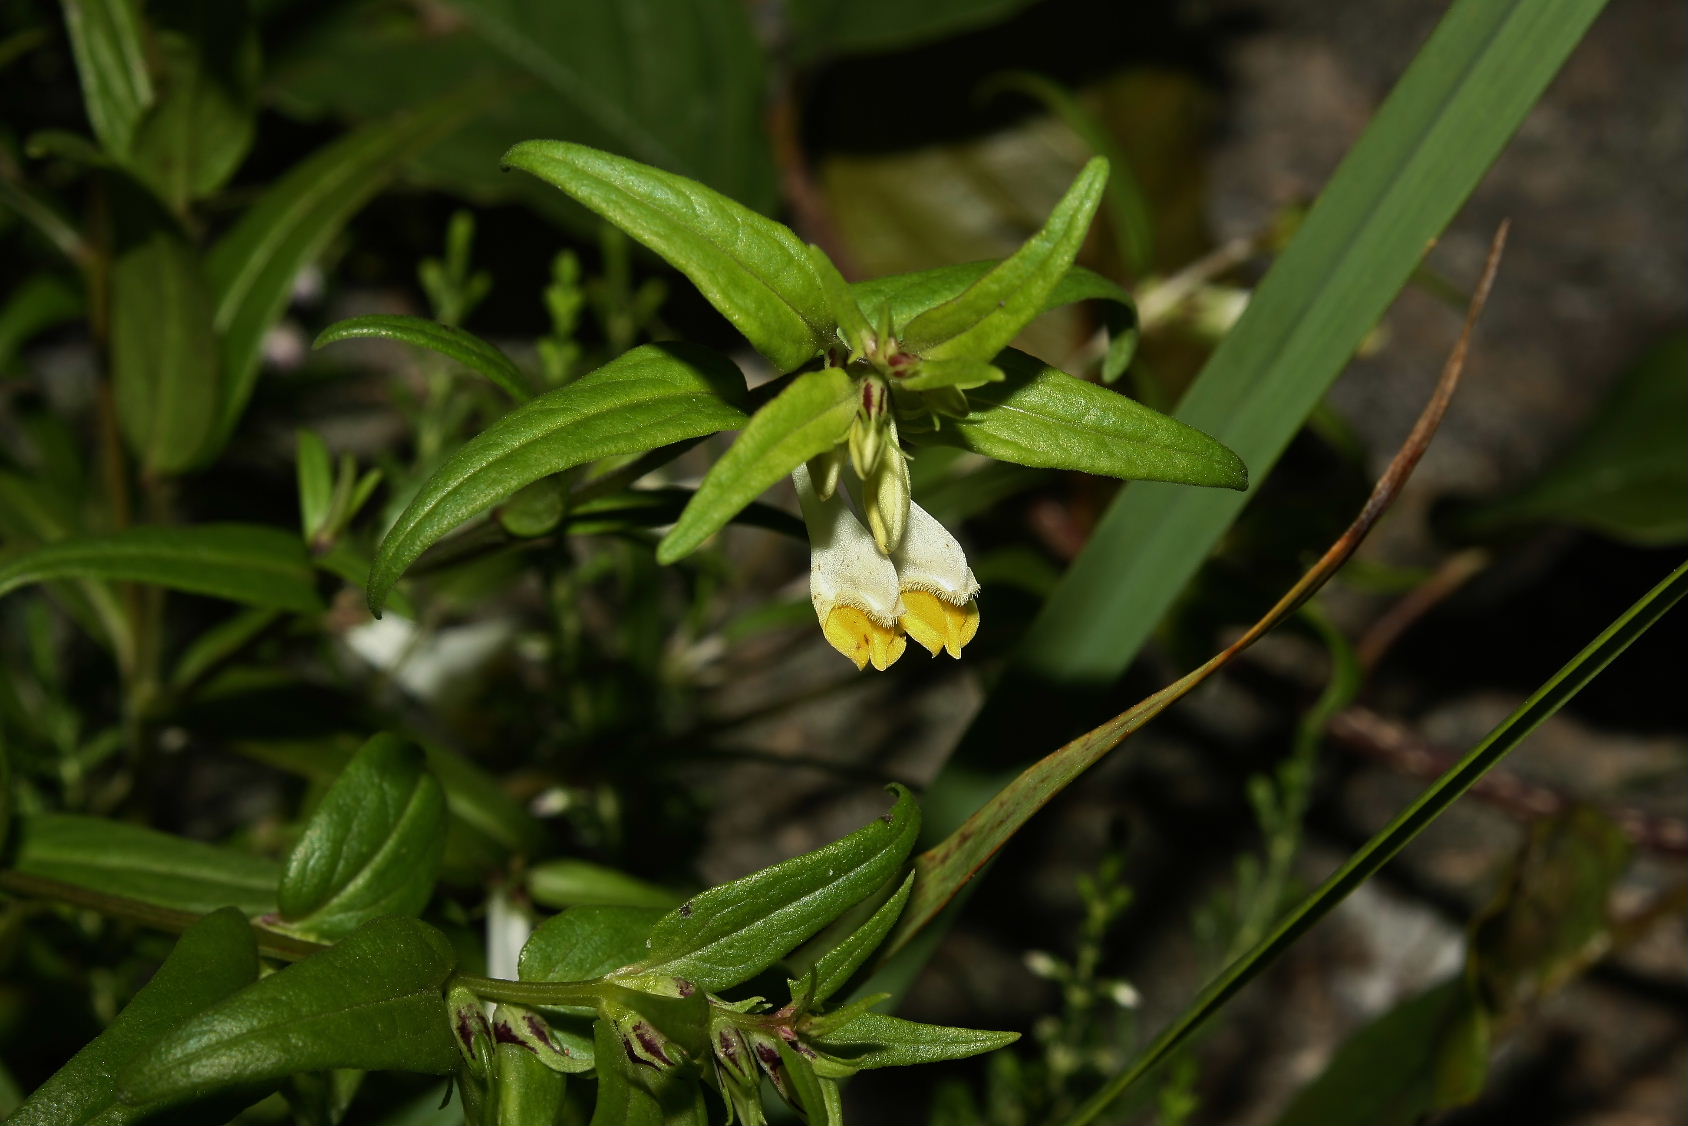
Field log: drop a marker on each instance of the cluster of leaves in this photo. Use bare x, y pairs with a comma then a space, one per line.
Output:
625, 997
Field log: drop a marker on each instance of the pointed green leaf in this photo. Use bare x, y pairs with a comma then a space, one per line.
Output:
902, 297
754, 270
138, 863
105, 37
980, 322
586, 942
808, 417
1043, 417
832, 970
802, 1082
371, 848
314, 471
853, 326
653, 395
454, 343
250, 563
212, 960
253, 266
730, 933
374, 1001
164, 355
876, 1040
201, 125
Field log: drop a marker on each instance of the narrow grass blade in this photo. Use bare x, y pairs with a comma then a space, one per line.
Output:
1546, 700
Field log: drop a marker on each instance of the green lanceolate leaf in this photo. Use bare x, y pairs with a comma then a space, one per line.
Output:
1043, 417
454, 343
730, 933
201, 126
653, 395
902, 297
808, 417
962, 374
1626, 474
105, 37
253, 266
876, 1040
138, 863
213, 959
164, 355
980, 321
371, 848
754, 270
250, 563
586, 942
374, 1001
833, 969
847, 314
1443, 125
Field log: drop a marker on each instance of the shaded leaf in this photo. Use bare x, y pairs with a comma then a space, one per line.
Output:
649, 397
253, 266
1427, 1054
812, 415
838, 27
201, 125
528, 1092
1626, 474
1043, 417
730, 933
371, 848
754, 270
250, 563
573, 883
373, 1001
105, 37
621, 1101
213, 959
138, 863
454, 343
164, 355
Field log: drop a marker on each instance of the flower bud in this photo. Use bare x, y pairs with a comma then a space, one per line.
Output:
852, 586
871, 430
938, 588
885, 496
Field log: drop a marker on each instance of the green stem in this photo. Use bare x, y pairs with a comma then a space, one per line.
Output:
550, 994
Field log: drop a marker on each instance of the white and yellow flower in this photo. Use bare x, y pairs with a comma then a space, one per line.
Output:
940, 594
852, 585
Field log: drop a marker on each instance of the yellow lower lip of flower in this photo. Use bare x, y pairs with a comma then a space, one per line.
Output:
939, 624
863, 640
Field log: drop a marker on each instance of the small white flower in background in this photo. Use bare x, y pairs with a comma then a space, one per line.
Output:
853, 587
939, 590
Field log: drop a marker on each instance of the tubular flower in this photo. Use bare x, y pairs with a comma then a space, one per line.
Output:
853, 587
940, 607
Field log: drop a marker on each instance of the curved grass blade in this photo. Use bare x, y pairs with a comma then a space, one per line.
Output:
449, 341
1446, 121
649, 397
1513, 730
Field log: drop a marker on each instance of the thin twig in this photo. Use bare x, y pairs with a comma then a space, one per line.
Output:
1400, 748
